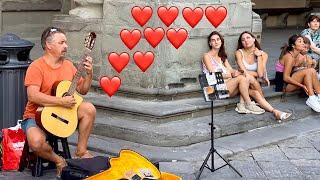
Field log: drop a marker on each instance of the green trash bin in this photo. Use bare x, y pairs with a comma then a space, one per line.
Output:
14, 61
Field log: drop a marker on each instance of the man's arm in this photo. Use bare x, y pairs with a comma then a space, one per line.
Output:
35, 96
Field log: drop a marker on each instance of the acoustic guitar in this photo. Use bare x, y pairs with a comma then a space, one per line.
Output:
61, 121
131, 165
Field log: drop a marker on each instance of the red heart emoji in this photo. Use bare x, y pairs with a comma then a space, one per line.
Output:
153, 37
130, 39
143, 61
118, 62
216, 16
167, 16
141, 16
110, 86
192, 16
177, 38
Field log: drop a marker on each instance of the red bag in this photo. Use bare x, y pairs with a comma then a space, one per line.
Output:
13, 139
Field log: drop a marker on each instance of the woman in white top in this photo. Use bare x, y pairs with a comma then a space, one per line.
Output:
250, 58
237, 83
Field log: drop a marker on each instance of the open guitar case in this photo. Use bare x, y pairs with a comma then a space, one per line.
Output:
83, 168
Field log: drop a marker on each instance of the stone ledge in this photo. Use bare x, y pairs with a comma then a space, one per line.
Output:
192, 130
164, 111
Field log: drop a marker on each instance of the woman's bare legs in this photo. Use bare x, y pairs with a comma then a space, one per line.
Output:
254, 84
264, 104
306, 77
239, 84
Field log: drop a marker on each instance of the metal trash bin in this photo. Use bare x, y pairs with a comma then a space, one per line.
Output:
14, 61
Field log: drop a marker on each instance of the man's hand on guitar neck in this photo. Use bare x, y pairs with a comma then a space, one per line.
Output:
88, 65
84, 87
68, 101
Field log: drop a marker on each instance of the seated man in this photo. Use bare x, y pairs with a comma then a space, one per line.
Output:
40, 77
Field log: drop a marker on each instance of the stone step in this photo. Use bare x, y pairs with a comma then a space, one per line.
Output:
191, 156
192, 130
164, 111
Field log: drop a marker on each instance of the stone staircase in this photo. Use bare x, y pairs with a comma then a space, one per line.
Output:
181, 122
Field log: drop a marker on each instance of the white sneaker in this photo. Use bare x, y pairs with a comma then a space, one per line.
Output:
253, 108
312, 102
241, 109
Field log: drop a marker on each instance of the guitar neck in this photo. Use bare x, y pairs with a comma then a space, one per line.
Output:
80, 70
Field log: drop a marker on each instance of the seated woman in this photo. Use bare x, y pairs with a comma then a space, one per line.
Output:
295, 76
304, 60
313, 34
216, 60
250, 58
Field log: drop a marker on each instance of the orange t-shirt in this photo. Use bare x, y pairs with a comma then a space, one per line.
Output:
41, 74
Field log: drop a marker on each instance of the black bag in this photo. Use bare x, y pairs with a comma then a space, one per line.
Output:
83, 168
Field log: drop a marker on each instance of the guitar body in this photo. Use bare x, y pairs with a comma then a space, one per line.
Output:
61, 121
129, 165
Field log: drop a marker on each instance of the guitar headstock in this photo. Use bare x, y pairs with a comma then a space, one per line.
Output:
90, 40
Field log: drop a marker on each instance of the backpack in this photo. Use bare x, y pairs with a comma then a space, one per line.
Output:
83, 168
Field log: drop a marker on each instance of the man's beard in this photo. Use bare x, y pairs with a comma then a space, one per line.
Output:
63, 54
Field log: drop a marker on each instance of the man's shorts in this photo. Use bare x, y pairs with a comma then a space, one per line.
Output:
28, 123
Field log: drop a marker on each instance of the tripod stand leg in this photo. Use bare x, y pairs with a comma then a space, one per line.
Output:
204, 163
228, 163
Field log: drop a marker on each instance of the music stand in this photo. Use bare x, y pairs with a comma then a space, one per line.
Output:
215, 82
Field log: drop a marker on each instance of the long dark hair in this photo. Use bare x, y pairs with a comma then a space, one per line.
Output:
289, 47
256, 43
222, 51
311, 18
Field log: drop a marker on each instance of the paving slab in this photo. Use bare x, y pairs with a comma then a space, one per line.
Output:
301, 153
308, 167
270, 153
315, 140
281, 169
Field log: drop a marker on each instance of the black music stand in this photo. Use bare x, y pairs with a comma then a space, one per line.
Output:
216, 94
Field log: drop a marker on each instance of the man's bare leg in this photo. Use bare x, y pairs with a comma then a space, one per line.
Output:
86, 115
37, 142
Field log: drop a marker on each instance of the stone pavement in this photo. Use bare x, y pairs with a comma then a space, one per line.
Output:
297, 158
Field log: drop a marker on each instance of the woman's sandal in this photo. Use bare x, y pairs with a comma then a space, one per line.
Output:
284, 116
85, 154
60, 166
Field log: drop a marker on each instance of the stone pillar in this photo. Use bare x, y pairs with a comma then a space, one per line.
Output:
173, 69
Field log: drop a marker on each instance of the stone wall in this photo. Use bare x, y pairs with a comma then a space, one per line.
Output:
172, 67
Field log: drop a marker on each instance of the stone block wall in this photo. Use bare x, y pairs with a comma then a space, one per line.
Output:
172, 67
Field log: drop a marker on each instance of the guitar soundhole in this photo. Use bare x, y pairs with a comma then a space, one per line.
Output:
60, 118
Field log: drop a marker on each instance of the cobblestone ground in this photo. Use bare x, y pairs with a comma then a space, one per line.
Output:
297, 158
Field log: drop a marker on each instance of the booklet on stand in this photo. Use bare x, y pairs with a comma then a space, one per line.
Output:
213, 86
